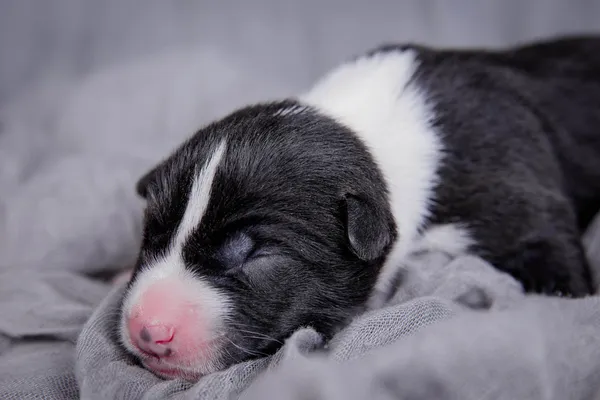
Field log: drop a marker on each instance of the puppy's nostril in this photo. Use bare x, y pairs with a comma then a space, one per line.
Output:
159, 334
155, 340
145, 335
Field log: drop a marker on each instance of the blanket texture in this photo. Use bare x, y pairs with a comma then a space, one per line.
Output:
452, 329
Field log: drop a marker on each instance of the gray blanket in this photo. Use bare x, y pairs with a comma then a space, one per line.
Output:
454, 329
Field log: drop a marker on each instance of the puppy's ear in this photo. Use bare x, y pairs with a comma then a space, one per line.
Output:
142, 185
370, 228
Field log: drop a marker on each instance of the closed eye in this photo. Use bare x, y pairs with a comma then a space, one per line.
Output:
241, 251
259, 253
236, 250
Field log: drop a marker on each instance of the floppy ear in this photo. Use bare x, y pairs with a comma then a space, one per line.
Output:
370, 228
142, 185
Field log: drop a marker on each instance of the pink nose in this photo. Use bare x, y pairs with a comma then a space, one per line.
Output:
154, 339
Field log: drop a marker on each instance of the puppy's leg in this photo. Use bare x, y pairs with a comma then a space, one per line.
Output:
544, 249
528, 230
553, 265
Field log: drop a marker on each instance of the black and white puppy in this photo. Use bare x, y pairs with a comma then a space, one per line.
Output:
293, 213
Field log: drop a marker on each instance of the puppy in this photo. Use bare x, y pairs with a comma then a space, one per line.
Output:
293, 213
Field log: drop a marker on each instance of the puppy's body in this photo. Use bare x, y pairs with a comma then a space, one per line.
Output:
520, 162
291, 213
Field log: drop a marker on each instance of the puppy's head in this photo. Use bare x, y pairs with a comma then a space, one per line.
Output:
271, 219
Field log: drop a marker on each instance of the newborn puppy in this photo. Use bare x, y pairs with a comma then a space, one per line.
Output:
293, 213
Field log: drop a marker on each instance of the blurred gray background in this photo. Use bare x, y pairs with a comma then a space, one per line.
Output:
296, 39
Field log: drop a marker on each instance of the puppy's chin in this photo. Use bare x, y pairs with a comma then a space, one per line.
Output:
169, 372
188, 364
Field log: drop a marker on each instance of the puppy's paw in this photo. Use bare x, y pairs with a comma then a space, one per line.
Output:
476, 299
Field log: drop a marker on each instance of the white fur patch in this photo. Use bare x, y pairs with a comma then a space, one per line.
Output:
375, 97
213, 303
453, 239
199, 196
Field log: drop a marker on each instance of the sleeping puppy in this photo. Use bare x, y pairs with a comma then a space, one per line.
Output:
293, 213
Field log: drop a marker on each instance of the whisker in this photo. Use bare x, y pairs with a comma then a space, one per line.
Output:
259, 335
253, 353
260, 338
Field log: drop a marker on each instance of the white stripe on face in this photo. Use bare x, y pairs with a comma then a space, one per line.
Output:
171, 267
198, 198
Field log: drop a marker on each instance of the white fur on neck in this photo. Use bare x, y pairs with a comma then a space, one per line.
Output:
375, 97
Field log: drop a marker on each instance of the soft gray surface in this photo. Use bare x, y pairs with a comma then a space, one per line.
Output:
541, 349
432, 281
422, 344
93, 92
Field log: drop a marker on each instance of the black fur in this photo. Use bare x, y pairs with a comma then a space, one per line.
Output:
523, 165
284, 234
299, 223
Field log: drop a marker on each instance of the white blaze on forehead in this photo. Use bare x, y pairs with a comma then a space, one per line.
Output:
378, 99
214, 305
199, 197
